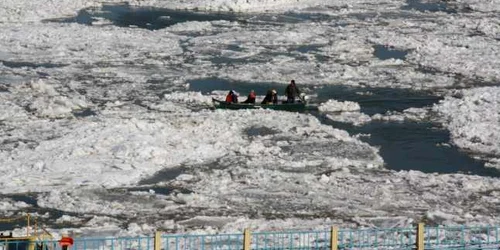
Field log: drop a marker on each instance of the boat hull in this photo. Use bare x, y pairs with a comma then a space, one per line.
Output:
235, 106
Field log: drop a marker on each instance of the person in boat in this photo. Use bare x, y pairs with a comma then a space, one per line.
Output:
251, 97
271, 97
291, 92
232, 97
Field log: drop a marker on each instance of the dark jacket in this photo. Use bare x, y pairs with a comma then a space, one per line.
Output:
292, 91
270, 98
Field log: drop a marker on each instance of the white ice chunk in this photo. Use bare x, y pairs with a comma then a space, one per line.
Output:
336, 106
472, 118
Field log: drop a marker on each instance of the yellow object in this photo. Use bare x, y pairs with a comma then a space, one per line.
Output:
11, 219
157, 240
28, 222
334, 238
420, 236
18, 243
246, 239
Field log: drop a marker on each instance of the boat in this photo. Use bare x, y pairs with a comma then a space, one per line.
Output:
298, 106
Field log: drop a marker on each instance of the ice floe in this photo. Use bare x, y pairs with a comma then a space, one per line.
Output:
257, 169
9, 205
343, 197
336, 106
411, 114
114, 152
478, 5
472, 118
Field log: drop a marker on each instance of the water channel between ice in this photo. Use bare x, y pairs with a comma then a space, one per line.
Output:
405, 145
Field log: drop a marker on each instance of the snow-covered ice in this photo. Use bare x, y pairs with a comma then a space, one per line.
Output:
472, 116
97, 121
114, 152
336, 106
29, 11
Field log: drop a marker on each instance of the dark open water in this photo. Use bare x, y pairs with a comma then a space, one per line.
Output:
419, 146
403, 145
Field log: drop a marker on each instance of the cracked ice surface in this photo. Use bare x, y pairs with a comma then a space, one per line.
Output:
114, 152
228, 170
264, 199
472, 117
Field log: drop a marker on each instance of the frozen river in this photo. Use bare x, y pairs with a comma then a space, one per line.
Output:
105, 126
